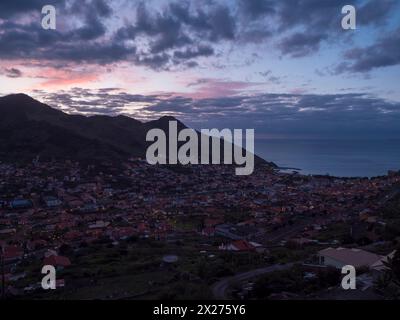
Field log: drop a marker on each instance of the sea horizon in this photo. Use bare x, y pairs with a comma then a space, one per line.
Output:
335, 157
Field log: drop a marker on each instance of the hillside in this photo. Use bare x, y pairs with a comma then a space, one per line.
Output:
29, 128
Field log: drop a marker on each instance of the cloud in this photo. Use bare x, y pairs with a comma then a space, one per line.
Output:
190, 53
32, 42
211, 88
182, 34
384, 53
329, 115
257, 8
300, 44
102, 8
12, 72
108, 101
178, 34
10, 8
376, 12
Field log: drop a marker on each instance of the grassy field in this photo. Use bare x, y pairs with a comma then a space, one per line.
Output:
135, 270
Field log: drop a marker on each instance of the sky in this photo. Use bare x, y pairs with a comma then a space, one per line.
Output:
286, 68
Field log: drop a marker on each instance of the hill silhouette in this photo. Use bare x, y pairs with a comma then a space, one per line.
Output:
29, 128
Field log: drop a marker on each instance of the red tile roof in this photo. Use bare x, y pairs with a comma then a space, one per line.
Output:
243, 245
57, 261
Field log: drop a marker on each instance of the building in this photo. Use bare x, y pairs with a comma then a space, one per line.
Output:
57, 261
12, 253
52, 202
236, 232
240, 245
21, 204
340, 257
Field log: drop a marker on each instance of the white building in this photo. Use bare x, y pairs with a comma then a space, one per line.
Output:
341, 257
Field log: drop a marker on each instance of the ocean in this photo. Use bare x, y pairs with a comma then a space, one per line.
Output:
341, 158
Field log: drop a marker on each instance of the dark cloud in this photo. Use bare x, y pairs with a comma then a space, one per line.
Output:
19, 41
384, 53
177, 34
265, 74
275, 80
156, 62
102, 8
195, 52
172, 38
163, 29
330, 115
10, 8
222, 24
311, 15
376, 12
316, 15
12, 72
309, 23
257, 8
93, 28
300, 44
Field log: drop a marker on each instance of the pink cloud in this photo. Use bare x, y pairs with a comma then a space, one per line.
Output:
54, 78
214, 88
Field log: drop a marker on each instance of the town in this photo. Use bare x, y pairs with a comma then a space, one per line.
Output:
137, 231
188, 153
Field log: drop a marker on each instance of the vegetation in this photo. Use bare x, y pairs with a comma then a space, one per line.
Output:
389, 282
135, 270
294, 281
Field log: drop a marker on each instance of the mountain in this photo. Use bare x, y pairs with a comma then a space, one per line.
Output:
29, 128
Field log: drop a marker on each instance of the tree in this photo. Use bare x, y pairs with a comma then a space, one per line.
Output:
393, 266
389, 282
65, 249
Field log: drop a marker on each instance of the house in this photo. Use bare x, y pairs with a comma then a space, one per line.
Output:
301, 241
35, 244
21, 204
72, 235
50, 253
8, 231
341, 257
51, 202
208, 232
13, 253
236, 232
123, 233
209, 222
57, 261
239, 245
99, 225
142, 227
90, 208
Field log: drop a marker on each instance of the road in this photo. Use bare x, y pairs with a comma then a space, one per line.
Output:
283, 234
220, 288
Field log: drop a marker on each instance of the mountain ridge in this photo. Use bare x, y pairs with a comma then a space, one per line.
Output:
29, 128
